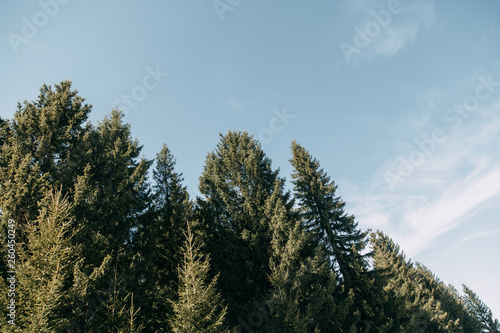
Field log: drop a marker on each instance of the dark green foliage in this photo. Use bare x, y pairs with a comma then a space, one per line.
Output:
303, 286
337, 233
109, 196
286, 244
237, 182
323, 215
159, 238
48, 146
43, 139
481, 312
414, 299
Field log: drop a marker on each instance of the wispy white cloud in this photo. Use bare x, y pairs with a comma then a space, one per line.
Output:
473, 236
478, 235
234, 104
491, 283
394, 40
458, 200
459, 178
381, 30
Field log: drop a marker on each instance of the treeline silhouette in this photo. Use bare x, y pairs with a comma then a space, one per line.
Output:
99, 247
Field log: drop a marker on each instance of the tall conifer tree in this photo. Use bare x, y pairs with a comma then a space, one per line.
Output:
48, 145
323, 215
109, 199
48, 268
481, 312
301, 298
112, 190
413, 298
41, 147
160, 238
237, 181
198, 306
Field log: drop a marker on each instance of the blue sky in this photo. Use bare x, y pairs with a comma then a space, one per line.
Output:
399, 100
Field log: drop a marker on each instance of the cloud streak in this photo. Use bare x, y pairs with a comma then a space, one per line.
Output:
385, 28
457, 180
458, 201
478, 235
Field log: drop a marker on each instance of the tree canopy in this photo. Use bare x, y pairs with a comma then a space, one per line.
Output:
90, 243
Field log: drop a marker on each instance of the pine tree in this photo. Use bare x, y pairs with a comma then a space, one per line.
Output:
236, 183
481, 312
198, 307
120, 313
324, 216
22, 189
37, 152
111, 193
286, 244
160, 238
337, 233
48, 145
392, 282
414, 299
46, 136
302, 283
48, 263
109, 200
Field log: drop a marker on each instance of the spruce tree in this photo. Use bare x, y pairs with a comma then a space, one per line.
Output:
38, 150
48, 144
120, 313
237, 181
198, 305
323, 215
160, 238
48, 264
480, 311
46, 136
301, 298
109, 200
111, 192
413, 298
22, 189
393, 281
286, 245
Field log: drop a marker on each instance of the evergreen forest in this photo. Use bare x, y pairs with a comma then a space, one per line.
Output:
96, 238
